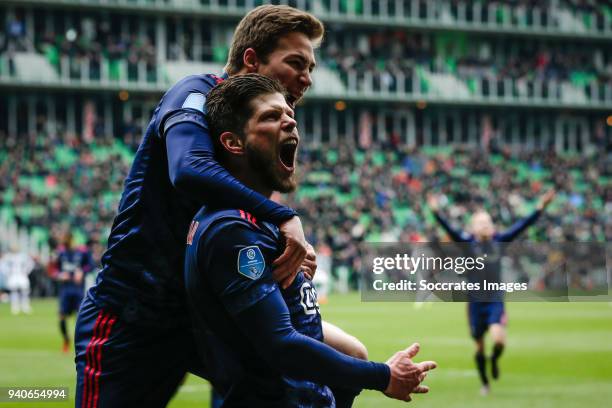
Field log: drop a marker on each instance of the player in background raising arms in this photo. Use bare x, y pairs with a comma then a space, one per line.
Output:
484, 239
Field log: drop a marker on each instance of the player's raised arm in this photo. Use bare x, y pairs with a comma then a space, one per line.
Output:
456, 234
546, 199
521, 225
193, 170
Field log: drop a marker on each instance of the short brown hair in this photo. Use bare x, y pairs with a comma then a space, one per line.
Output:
228, 105
263, 26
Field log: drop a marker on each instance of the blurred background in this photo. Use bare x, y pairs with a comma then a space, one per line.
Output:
479, 103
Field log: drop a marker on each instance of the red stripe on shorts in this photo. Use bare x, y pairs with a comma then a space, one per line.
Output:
93, 367
109, 326
88, 360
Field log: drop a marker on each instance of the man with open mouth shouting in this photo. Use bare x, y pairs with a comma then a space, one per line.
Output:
274, 335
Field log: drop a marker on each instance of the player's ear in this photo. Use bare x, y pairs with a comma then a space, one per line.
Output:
232, 143
250, 60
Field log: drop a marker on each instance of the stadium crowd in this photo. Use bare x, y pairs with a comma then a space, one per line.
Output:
381, 53
347, 195
56, 183
389, 52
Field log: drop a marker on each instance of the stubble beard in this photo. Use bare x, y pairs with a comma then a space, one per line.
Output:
265, 164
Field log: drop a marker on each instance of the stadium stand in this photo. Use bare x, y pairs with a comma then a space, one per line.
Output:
347, 196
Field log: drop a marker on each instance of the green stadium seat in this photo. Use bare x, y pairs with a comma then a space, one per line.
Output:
79, 237
472, 85
402, 215
598, 203
40, 235
359, 157
8, 195
378, 158
220, 53
24, 211
459, 172
65, 156
373, 237
110, 199
496, 159
343, 198
38, 186
482, 180
114, 69
365, 219
7, 212
52, 54
332, 156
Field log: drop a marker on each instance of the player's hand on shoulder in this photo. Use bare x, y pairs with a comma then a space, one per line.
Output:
406, 376
286, 266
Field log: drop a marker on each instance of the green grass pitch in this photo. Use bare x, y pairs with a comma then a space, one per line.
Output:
558, 355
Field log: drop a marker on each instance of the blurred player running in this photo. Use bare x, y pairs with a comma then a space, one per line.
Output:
72, 265
491, 313
276, 334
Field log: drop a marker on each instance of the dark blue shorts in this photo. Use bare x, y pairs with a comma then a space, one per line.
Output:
484, 314
122, 365
70, 301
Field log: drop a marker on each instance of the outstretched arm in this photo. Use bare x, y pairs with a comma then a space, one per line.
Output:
518, 227
456, 234
267, 324
259, 310
521, 225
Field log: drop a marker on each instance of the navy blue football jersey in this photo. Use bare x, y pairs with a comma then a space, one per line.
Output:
69, 260
228, 270
173, 174
494, 251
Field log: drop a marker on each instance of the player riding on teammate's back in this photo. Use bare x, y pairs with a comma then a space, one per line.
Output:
137, 308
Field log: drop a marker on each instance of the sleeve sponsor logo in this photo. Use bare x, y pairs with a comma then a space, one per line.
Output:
251, 262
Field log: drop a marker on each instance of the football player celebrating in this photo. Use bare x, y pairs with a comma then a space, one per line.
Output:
274, 333
489, 314
137, 308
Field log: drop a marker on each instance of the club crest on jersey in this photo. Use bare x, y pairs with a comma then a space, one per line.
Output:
308, 300
251, 262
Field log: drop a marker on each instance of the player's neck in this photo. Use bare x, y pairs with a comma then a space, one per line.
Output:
251, 179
